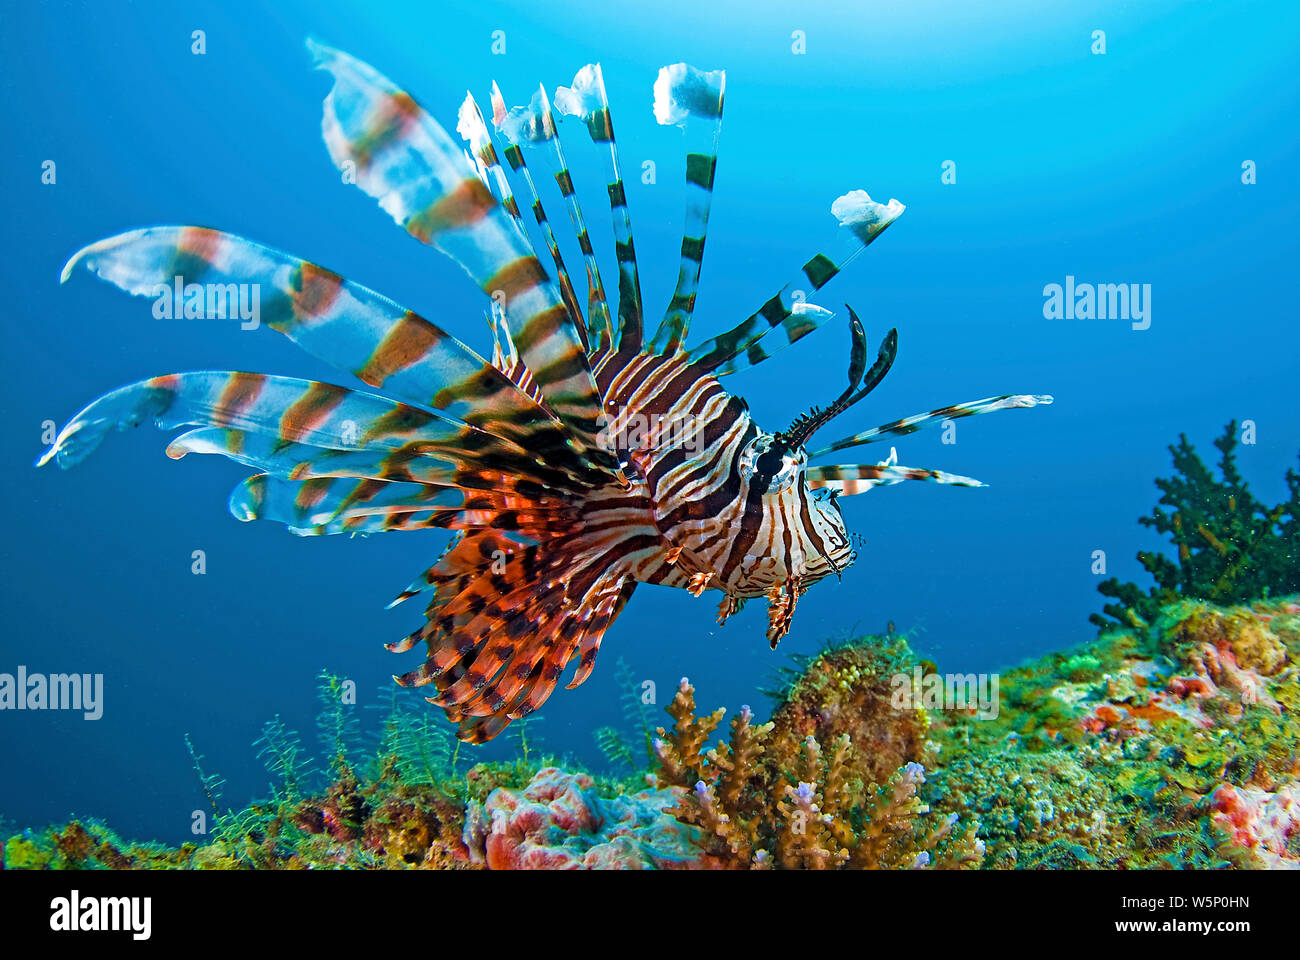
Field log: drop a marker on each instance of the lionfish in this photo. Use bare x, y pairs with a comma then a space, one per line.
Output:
562, 465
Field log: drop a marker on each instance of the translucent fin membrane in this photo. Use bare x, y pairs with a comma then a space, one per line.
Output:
399, 155
321, 507
682, 92
473, 129
899, 428
343, 323
502, 468
523, 126
301, 411
586, 100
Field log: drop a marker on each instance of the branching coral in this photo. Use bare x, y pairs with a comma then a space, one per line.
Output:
772, 798
1230, 546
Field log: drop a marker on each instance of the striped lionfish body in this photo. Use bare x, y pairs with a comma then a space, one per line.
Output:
587, 456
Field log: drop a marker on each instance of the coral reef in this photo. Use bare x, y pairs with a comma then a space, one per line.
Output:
774, 796
1170, 744
559, 822
1231, 547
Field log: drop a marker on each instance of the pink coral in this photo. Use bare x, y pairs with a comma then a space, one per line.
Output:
1259, 821
559, 822
1220, 662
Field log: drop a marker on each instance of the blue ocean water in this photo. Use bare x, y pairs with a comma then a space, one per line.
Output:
1122, 167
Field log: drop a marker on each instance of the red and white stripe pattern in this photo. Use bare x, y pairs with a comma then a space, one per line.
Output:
576, 464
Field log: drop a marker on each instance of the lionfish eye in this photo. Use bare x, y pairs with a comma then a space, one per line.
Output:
770, 465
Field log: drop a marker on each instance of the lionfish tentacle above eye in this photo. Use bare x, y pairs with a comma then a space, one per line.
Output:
899, 428
579, 462
587, 101
680, 92
861, 221
535, 123
861, 382
859, 478
403, 158
474, 130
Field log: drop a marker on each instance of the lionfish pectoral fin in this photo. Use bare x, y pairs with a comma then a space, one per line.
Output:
899, 428
347, 325
506, 619
847, 480
285, 409
781, 601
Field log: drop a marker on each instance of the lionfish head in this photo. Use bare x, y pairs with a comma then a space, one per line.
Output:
815, 540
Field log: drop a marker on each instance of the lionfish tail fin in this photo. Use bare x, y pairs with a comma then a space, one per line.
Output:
680, 92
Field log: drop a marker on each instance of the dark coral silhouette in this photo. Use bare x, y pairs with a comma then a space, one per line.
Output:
1230, 546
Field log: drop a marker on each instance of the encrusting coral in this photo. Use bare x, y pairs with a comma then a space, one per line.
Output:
559, 821
1179, 748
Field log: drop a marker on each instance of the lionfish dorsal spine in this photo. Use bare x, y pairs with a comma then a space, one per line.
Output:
680, 93
474, 130
586, 100
534, 123
861, 221
402, 157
